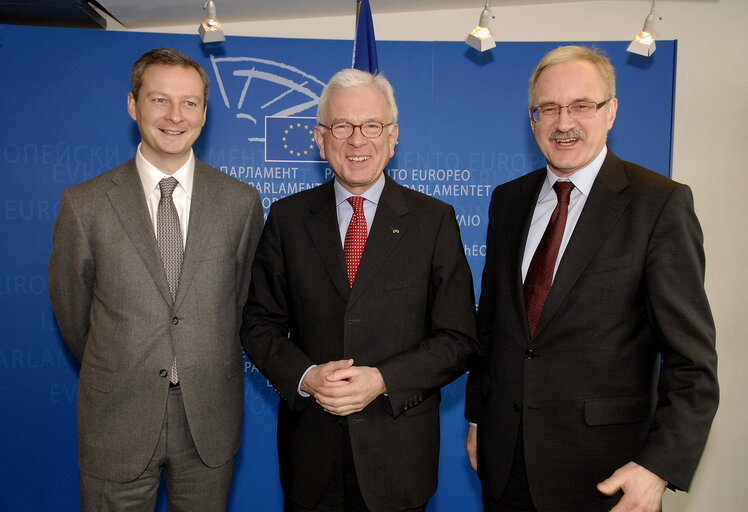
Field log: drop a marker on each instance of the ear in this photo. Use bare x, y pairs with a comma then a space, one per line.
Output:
393, 138
205, 114
319, 138
131, 106
532, 121
612, 109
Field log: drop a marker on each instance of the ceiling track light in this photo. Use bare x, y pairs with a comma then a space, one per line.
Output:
480, 37
210, 29
644, 42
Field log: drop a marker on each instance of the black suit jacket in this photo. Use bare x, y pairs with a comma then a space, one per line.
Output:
410, 313
622, 364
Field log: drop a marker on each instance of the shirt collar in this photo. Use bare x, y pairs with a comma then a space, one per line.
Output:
583, 179
372, 194
150, 175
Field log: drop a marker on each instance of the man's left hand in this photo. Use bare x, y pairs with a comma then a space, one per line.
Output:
642, 489
361, 385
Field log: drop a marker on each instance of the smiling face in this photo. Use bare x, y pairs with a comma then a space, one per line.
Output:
170, 112
357, 161
570, 144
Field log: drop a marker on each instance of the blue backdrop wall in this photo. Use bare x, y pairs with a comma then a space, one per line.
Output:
463, 130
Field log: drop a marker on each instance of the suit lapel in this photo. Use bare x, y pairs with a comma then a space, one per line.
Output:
603, 208
200, 228
514, 239
391, 223
322, 225
128, 201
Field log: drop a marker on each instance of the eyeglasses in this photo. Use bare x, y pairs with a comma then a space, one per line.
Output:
343, 129
576, 110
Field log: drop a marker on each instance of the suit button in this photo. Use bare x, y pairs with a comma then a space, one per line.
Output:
515, 407
163, 373
530, 354
175, 321
339, 423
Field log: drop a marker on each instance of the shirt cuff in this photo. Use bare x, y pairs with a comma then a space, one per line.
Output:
298, 388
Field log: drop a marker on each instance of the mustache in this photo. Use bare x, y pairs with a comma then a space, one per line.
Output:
570, 134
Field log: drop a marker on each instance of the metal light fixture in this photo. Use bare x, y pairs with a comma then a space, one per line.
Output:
210, 29
644, 42
480, 37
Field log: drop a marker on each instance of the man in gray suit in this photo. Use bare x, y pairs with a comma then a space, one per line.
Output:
149, 271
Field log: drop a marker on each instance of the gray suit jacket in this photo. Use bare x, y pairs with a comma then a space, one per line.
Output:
410, 313
622, 364
111, 298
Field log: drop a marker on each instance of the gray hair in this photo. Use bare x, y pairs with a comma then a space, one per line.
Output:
564, 54
357, 78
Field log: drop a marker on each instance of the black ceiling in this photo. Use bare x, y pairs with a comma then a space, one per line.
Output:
51, 13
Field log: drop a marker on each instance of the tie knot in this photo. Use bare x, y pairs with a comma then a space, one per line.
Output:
357, 202
167, 186
563, 190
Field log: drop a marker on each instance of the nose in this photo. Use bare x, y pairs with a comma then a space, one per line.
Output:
174, 113
357, 137
565, 121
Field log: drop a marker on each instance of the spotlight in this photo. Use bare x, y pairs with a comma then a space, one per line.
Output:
210, 29
480, 37
644, 42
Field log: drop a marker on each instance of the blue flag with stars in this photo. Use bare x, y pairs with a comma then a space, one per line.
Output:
365, 45
291, 139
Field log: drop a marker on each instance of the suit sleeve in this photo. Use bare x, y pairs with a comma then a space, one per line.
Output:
486, 314
451, 341
247, 248
266, 318
679, 310
71, 276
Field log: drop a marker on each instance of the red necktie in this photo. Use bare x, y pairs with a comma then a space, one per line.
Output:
540, 273
355, 237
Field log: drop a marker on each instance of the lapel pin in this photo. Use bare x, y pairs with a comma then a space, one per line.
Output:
395, 231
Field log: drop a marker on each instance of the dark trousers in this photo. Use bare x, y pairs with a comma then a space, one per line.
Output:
516, 497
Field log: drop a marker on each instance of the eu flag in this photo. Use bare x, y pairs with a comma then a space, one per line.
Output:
365, 46
290, 139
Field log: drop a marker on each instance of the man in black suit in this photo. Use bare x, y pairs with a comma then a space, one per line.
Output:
358, 346
604, 382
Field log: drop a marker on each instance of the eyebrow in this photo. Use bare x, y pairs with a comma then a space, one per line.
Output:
186, 97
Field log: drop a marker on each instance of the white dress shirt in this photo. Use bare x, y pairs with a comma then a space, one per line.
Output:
150, 176
583, 180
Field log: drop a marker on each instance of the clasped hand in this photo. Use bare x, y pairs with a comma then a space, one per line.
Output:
343, 389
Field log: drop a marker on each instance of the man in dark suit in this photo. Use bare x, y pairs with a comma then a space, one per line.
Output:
602, 383
148, 276
357, 345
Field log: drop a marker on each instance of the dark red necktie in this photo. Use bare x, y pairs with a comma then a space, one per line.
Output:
540, 273
355, 238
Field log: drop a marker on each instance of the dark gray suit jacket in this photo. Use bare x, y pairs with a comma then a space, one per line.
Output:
410, 313
114, 309
622, 365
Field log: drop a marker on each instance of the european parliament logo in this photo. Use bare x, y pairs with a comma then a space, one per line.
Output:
290, 139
